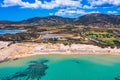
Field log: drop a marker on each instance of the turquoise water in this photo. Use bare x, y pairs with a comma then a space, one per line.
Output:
11, 31
59, 67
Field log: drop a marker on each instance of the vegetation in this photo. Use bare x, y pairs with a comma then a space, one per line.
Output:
97, 29
18, 37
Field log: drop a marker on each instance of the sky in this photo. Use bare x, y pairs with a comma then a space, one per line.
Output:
17, 10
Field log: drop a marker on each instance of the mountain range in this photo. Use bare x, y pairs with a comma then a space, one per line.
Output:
49, 20
93, 19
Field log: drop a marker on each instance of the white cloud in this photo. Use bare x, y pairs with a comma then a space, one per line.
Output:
63, 12
45, 5
66, 7
101, 2
88, 7
59, 3
112, 12
72, 12
11, 2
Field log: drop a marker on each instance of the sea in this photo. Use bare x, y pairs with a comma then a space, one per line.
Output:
62, 67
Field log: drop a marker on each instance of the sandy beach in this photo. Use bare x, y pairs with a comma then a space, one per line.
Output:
26, 49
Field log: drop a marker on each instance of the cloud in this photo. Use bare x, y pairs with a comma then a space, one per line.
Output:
90, 4
73, 12
45, 5
88, 7
10, 3
112, 12
102, 2
65, 7
63, 12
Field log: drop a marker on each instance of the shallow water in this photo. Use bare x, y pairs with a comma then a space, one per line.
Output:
11, 31
61, 67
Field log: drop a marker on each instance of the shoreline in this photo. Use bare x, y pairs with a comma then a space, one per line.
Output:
27, 49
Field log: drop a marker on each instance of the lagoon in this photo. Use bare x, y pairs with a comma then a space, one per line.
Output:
62, 67
11, 31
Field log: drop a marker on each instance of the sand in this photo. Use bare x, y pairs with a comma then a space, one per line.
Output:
26, 49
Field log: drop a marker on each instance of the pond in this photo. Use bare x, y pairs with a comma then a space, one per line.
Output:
51, 37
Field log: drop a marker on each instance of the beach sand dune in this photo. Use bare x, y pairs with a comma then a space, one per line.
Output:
18, 50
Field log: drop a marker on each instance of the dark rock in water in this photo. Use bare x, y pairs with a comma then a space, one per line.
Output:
117, 78
5, 60
18, 74
77, 62
16, 59
34, 71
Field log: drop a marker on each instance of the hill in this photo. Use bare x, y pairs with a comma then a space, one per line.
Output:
93, 19
49, 20
98, 19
